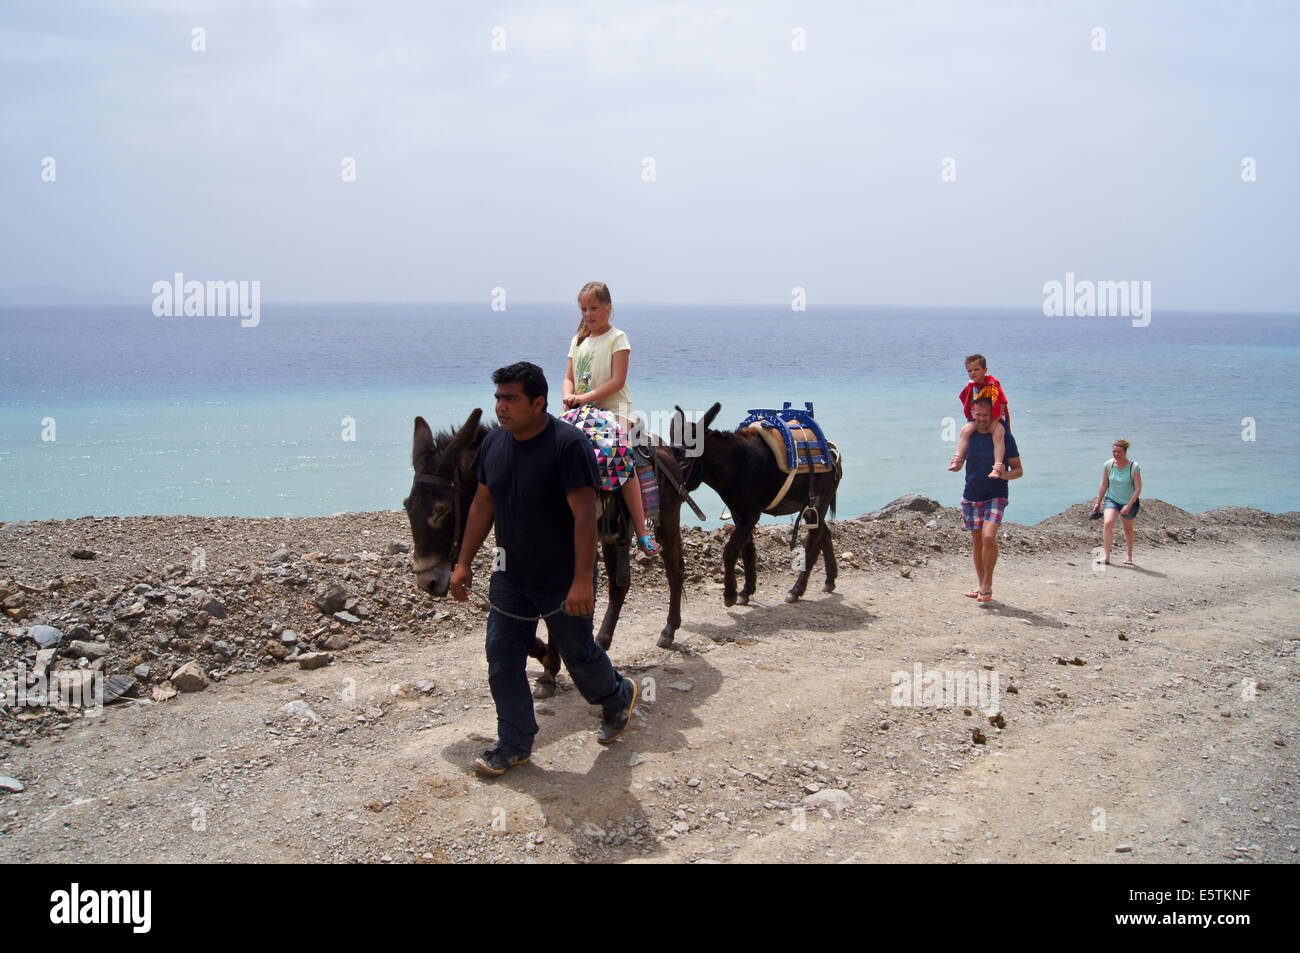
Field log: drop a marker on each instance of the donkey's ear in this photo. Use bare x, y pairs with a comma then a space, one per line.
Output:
421, 444
676, 427
465, 435
710, 414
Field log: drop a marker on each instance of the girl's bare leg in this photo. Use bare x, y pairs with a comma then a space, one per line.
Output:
632, 497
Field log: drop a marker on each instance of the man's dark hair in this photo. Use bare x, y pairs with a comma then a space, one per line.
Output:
530, 375
986, 401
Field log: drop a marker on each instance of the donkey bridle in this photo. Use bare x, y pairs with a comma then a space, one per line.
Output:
454, 483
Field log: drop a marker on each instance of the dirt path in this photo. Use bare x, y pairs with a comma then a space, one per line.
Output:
1154, 750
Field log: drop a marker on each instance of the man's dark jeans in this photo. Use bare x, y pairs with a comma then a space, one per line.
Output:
508, 642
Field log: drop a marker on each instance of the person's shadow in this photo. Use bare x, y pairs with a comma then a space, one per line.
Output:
599, 808
1002, 609
1142, 569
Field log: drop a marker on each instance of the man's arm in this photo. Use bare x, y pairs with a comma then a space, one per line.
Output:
481, 513
582, 597
1014, 470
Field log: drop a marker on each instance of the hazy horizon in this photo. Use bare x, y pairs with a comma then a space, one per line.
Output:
880, 154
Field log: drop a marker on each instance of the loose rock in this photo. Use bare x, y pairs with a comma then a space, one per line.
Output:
117, 687
46, 636
314, 659
214, 609
87, 650
300, 709
189, 678
832, 798
331, 599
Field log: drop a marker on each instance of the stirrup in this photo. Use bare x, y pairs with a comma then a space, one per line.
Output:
809, 516
725, 514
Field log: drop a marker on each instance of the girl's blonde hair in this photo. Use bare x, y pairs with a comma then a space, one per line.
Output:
601, 292
1122, 443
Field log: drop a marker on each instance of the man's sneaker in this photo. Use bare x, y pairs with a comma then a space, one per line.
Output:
497, 762
613, 724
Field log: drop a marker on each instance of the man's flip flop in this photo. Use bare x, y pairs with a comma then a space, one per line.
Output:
974, 593
985, 596
1128, 562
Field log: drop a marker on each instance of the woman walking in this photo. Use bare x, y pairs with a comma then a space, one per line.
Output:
1121, 485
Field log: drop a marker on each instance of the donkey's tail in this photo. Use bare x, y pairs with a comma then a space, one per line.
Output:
839, 475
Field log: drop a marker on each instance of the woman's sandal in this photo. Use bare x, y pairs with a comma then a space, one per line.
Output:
985, 596
648, 545
973, 594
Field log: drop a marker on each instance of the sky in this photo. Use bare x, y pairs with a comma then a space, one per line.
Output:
902, 153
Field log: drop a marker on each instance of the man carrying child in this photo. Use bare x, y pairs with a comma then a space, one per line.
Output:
985, 497
983, 384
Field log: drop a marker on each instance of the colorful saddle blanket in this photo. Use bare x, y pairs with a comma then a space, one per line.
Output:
614, 461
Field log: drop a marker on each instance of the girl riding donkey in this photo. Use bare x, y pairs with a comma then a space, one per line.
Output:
595, 391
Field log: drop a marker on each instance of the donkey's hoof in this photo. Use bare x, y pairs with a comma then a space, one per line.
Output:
728, 599
544, 689
603, 641
792, 597
666, 638
829, 587
743, 599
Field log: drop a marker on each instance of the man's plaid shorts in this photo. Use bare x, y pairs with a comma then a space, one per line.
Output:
975, 514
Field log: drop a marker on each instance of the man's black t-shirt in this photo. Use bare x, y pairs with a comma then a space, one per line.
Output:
529, 481
979, 461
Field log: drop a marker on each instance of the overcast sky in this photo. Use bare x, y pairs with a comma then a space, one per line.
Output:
773, 167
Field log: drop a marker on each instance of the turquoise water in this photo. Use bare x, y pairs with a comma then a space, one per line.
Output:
203, 417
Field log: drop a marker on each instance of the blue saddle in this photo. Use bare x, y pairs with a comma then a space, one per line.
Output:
797, 452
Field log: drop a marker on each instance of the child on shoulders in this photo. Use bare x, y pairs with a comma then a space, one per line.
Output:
983, 384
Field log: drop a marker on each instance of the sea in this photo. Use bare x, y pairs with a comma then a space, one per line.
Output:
110, 410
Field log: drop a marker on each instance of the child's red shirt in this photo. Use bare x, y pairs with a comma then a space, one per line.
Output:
992, 389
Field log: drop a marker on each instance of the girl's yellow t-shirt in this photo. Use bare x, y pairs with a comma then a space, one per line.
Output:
593, 365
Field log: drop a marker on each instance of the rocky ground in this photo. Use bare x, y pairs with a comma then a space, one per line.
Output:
280, 690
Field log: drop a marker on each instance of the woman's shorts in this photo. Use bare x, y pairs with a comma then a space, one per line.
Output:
1112, 505
976, 514
613, 457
